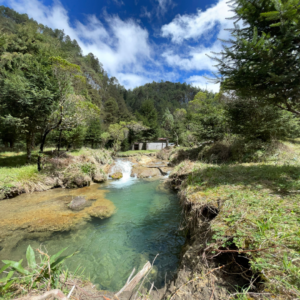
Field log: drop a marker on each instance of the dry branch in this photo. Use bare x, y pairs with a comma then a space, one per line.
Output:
130, 285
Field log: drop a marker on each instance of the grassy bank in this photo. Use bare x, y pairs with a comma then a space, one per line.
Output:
255, 213
71, 169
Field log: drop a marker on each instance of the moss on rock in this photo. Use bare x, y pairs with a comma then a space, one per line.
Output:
117, 175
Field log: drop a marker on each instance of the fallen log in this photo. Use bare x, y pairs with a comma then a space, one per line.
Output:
131, 284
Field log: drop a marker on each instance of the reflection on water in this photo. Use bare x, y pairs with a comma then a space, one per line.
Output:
145, 224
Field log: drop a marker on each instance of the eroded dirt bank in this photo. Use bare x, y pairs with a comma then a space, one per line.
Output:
201, 274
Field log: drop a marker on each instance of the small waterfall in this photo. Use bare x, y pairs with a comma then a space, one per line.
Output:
125, 168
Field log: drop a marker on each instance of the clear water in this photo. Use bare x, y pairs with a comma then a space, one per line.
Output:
145, 224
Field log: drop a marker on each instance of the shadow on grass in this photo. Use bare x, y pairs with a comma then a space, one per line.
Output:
15, 160
187, 154
279, 179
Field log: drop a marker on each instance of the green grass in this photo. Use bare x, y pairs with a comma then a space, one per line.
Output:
10, 177
18, 158
14, 169
15, 159
258, 209
136, 152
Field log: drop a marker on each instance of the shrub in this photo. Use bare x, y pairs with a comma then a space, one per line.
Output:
252, 120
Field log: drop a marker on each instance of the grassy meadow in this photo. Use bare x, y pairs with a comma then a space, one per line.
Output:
258, 214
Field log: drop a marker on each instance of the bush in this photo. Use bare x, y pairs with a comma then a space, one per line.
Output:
237, 149
252, 120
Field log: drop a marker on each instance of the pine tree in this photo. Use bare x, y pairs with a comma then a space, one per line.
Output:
111, 111
263, 59
148, 115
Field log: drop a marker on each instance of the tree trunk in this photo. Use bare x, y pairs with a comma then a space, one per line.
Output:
43, 141
176, 138
29, 142
59, 141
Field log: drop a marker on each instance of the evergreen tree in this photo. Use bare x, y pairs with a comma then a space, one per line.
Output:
263, 60
252, 120
148, 115
111, 110
207, 118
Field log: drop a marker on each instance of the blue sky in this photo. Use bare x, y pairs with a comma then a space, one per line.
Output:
140, 41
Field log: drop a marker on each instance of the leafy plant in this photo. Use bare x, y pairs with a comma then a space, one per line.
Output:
44, 274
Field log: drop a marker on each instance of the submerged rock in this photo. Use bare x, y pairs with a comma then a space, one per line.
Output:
117, 175
40, 214
78, 203
101, 212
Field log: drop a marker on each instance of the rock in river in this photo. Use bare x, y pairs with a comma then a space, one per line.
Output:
38, 214
117, 175
78, 203
144, 172
99, 178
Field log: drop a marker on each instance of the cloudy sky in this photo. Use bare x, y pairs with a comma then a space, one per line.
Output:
140, 41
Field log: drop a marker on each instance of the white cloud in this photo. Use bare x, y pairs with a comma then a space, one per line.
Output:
145, 13
163, 6
203, 28
204, 83
120, 3
194, 26
122, 46
132, 80
195, 59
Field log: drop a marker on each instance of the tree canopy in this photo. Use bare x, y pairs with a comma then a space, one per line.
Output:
263, 59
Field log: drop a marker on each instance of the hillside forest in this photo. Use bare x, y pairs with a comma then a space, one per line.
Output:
52, 94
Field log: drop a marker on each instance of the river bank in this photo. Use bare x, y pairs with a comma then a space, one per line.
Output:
70, 170
242, 227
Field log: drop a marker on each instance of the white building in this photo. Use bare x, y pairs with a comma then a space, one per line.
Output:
158, 145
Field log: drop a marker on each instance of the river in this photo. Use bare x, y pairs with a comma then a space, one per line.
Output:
144, 225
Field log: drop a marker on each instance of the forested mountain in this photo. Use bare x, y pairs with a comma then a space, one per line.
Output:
163, 95
42, 70
51, 92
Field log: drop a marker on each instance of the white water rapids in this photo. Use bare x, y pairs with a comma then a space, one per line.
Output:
125, 168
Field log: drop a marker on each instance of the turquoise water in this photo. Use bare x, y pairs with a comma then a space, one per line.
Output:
145, 224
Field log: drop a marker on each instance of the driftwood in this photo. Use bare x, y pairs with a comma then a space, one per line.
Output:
131, 284
58, 294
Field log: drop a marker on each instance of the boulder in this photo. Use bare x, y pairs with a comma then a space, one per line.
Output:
78, 203
99, 178
81, 181
143, 172
117, 175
